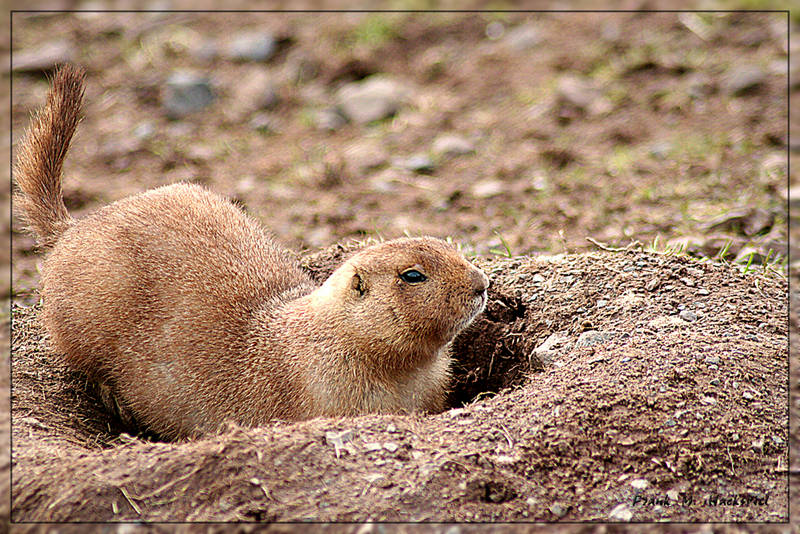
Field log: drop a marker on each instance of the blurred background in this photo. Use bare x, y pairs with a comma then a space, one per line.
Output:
512, 133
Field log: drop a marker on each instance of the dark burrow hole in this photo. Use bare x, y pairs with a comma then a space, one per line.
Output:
492, 355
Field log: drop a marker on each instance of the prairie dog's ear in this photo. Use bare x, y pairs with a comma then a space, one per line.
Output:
358, 285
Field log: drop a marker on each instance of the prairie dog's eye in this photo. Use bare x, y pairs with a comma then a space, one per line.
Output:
412, 276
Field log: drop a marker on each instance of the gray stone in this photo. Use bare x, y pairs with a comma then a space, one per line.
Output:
487, 188
712, 359
144, 130
688, 316
660, 149
554, 345
43, 57
452, 145
495, 30
592, 337
621, 512
523, 37
251, 46
185, 93
416, 163
557, 510
372, 99
206, 51
329, 119
264, 123
582, 93
742, 79
699, 86
255, 91
366, 155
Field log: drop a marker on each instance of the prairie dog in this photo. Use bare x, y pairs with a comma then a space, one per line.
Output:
190, 315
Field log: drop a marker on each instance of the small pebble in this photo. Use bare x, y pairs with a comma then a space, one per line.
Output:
144, 130
416, 163
621, 512
592, 337
703, 291
639, 483
688, 315
186, 92
390, 446
255, 46
660, 149
523, 37
374, 98
452, 145
712, 358
495, 30
557, 510
743, 79
44, 57
487, 188
328, 119
652, 284
578, 91
264, 123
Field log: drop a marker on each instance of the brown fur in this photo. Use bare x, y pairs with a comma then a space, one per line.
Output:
41, 158
188, 312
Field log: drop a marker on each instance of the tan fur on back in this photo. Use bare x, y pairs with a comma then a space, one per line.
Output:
190, 315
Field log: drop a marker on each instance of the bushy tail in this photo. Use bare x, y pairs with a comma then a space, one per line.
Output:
41, 154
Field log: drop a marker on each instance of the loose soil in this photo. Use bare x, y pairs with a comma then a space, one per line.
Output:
660, 407
665, 412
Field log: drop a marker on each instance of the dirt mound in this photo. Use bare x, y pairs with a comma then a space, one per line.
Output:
609, 386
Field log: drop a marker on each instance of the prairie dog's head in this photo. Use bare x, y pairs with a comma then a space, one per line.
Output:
413, 294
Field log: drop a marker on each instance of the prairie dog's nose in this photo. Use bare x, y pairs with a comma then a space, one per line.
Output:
480, 282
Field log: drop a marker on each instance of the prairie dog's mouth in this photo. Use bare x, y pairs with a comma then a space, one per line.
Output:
478, 304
